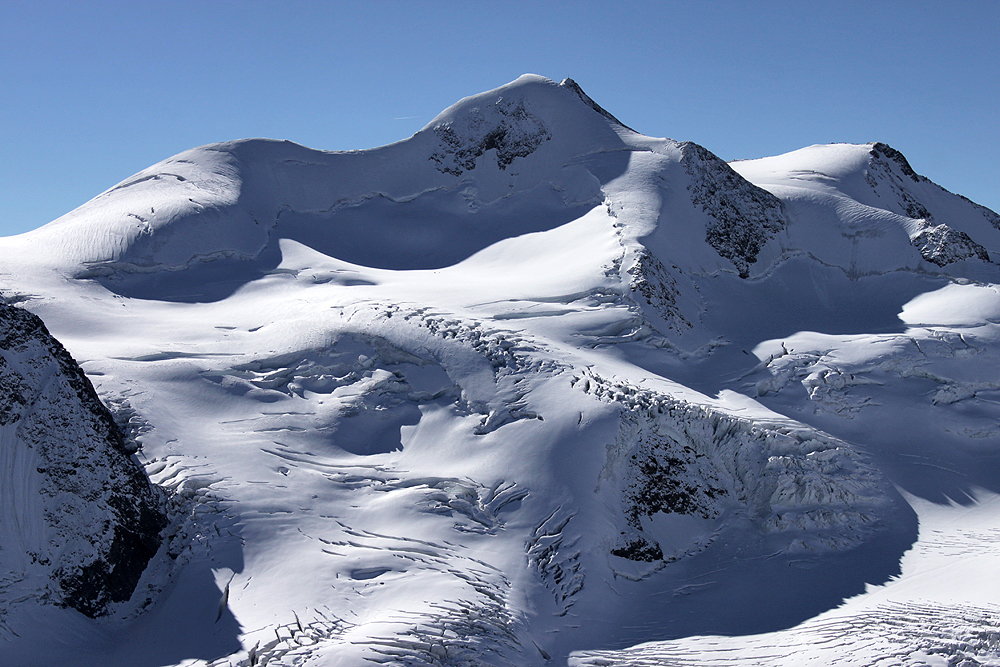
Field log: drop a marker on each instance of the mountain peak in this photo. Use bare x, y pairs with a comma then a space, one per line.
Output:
518, 119
554, 102
575, 87
880, 150
461, 381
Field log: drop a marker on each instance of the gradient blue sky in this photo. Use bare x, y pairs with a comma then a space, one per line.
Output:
90, 93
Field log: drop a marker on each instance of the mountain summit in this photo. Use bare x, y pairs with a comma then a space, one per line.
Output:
523, 158
529, 387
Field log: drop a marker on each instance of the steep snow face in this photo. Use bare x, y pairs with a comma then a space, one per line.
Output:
525, 384
80, 519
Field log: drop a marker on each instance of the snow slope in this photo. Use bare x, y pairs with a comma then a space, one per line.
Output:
526, 386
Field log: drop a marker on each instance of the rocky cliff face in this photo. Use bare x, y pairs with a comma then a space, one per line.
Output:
743, 216
938, 243
80, 519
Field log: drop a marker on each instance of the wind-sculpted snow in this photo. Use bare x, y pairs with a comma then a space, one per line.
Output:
525, 388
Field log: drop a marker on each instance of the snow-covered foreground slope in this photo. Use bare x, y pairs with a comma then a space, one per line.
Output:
527, 384
941, 610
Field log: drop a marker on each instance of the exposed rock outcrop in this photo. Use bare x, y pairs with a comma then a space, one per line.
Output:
938, 243
744, 216
78, 510
506, 127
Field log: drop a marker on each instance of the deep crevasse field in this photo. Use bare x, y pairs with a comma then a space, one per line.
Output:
529, 387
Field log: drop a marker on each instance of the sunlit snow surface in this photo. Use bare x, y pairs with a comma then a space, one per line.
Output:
529, 387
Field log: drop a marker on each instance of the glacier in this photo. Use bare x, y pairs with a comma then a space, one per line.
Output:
531, 388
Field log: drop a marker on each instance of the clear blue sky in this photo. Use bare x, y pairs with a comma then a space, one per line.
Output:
90, 93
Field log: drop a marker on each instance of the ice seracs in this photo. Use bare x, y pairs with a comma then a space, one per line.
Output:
525, 384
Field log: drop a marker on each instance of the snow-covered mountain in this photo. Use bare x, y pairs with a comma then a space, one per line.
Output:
531, 387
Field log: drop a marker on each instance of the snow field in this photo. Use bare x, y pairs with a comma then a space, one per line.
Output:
529, 387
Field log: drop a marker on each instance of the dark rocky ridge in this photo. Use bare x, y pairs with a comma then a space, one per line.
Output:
942, 245
880, 150
101, 517
507, 127
651, 280
575, 87
744, 216
937, 242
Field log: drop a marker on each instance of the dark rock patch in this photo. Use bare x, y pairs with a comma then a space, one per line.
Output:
743, 217
102, 517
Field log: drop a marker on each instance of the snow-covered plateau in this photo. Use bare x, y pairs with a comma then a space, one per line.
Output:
527, 388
